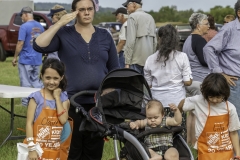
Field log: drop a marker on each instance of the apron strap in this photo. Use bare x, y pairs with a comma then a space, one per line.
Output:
227, 106
209, 108
44, 103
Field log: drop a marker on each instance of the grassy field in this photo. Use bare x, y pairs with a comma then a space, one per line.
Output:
9, 76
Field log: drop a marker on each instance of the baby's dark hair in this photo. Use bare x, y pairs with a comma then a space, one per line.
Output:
59, 67
155, 103
215, 84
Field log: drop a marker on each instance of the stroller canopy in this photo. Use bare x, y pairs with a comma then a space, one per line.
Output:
127, 99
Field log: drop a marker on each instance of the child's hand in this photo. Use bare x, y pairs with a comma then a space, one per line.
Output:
173, 107
33, 155
133, 125
57, 93
237, 158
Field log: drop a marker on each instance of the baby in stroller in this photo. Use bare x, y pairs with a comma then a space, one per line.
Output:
160, 145
121, 99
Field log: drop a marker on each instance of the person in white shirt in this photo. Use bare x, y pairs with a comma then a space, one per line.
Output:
167, 71
121, 16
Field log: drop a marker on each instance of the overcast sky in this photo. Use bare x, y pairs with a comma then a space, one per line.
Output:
155, 5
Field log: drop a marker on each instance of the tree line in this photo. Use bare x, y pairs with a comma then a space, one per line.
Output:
165, 14
171, 14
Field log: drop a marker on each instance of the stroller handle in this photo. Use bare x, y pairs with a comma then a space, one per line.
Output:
78, 106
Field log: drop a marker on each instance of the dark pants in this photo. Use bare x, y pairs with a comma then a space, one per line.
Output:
121, 59
137, 68
83, 147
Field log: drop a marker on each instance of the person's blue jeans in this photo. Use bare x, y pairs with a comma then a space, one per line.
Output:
121, 59
234, 97
29, 77
137, 68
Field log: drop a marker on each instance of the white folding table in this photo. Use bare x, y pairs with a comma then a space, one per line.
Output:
7, 91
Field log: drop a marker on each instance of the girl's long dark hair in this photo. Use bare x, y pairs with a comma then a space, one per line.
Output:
169, 41
59, 67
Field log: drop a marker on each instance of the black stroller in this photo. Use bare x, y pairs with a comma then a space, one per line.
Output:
126, 101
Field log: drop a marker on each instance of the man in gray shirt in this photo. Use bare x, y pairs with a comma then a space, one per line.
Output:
222, 55
141, 38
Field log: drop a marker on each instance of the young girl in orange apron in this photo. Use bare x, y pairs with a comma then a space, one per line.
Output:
215, 130
217, 122
47, 117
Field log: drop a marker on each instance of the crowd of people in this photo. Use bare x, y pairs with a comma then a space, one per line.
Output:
202, 79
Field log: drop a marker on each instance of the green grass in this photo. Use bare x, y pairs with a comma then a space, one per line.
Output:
9, 76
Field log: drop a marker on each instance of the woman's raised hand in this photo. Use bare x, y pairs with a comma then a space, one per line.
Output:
67, 18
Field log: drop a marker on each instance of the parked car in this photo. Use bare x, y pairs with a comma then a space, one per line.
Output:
184, 30
113, 27
218, 26
9, 33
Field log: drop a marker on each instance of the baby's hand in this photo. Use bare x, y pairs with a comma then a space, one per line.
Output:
173, 107
133, 125
56, 93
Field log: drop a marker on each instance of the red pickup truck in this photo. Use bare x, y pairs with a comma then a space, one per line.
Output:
9, 33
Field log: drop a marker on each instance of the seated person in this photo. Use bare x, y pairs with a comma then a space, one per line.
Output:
160, 145
228, 18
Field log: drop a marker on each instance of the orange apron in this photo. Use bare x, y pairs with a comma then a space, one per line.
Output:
214, 141
47, 131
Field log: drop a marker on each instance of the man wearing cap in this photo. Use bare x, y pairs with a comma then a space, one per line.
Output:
29, 60
121, 16
141, 38
56, 13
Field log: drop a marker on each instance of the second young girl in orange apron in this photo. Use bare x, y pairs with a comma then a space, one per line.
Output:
214, 142
217, 122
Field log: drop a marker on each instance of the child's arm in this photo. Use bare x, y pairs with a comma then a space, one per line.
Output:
180, 105
29, 126
30, 117
177, 119
62, 108
235, 142
186, 70
138, 124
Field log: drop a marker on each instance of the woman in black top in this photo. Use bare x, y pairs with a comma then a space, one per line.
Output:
193, 47
89, 53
